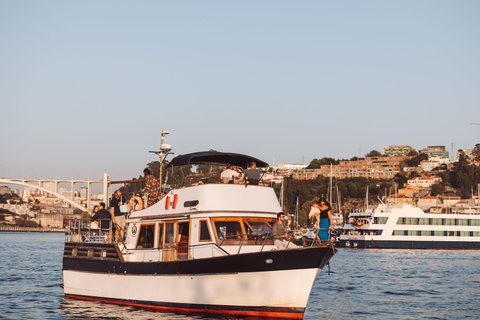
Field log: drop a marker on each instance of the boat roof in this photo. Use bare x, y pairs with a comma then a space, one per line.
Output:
215, 157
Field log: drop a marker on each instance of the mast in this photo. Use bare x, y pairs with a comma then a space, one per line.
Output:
162, 153
331, 185
366, 201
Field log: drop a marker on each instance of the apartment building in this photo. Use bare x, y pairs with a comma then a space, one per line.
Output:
368, 167
435, 151
393, 151
54, 220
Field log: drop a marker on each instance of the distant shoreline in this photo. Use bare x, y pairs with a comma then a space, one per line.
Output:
30, 229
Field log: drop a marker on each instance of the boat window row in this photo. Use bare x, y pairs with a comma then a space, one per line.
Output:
380, 220
438, 221
225, 230
436, 233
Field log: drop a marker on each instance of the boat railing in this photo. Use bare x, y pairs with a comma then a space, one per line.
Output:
85, 230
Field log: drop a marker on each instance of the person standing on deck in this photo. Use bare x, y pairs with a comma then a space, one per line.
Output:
152, 187
118, 217
326, 221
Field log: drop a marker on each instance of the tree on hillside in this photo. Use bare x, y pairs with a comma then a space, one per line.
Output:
373, 153
465, 176
476, 152
317, 163
413, 153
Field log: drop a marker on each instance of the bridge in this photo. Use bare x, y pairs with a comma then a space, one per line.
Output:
39, 185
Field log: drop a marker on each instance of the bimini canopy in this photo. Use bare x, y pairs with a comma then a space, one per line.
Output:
214, 157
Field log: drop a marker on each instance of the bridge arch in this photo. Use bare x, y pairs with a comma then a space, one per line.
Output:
73, 203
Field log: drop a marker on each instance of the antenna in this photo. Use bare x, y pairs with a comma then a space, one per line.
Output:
452, 151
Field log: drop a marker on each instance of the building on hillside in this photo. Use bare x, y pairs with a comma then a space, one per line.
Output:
368, 167
408, 192
52, 220
423, 182
393, 151
449, 201
286, 170
400, 200
412, 169
435, 151
306, 174
433, 162
425, 203
37, 197
5, 190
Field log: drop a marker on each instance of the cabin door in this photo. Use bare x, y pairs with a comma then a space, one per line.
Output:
169, 247
182, 240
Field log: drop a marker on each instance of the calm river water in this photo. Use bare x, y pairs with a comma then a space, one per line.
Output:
380, 284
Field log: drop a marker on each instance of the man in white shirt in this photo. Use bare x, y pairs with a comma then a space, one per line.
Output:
229, 174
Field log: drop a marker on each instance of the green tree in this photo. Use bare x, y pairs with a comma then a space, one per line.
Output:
25, 223
437, 189
373, 153
317, 163
476, 152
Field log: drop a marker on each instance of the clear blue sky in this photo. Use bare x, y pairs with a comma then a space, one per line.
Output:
87, 86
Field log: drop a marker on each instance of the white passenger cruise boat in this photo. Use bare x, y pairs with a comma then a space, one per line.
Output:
410, 227
204, 248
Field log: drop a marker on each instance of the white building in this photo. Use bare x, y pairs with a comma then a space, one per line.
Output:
423, 182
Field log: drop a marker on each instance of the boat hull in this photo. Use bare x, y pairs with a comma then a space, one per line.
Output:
273, 284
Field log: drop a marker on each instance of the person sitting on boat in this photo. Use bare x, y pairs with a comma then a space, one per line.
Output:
230, 174
280, 234
252, 174
326, 221
93, 223
136, 203
105, 219
315, 214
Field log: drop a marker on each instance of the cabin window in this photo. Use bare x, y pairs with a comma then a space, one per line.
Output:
424, 222
380, 220
464, 233
425, 232
451, 233
475, 233
437, 222
204, 231
146, 236
228, 230
169, 233
438, 233
412, 232
462, 222
474, 222
160, 235
450, 222
256, 230
191, 203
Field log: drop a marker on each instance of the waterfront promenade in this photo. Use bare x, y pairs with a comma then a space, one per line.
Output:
30, 229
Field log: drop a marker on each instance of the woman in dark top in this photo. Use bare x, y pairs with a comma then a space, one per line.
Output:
326, 221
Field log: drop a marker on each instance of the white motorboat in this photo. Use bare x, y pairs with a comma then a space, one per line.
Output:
204, 248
